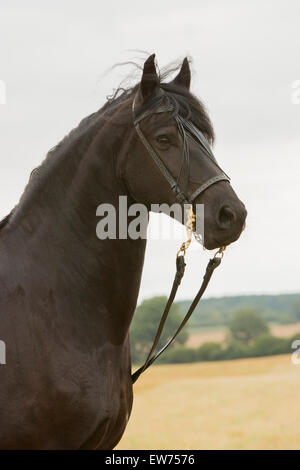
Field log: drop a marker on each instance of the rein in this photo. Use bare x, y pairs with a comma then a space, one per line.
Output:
180, 268
187, 129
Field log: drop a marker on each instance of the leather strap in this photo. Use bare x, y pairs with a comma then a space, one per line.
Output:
180, 196
208, 183
212, 265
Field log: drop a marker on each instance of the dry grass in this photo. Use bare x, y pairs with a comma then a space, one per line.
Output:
218, 334
196, 339
285, 330
241, 404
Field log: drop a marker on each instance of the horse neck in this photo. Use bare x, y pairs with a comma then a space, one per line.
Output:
59, 208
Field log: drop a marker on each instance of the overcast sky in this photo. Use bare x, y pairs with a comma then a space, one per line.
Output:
53, 59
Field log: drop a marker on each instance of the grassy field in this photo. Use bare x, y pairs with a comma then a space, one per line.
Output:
241, 404
203, 335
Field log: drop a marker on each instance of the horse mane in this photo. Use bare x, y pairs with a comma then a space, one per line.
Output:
183, 102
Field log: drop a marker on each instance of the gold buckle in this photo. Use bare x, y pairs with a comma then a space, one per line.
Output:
220, 252
189, 226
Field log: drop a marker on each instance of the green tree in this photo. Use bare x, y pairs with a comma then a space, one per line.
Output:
178, 355
268, 345
210, 351
296, 309
246, 325
145, 323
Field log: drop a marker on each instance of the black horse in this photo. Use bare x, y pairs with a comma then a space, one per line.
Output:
66, 297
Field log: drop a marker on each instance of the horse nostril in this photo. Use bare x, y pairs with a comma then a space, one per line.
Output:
226, 217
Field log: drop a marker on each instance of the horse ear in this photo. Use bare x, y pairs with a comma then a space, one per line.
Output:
150, 79
183, 78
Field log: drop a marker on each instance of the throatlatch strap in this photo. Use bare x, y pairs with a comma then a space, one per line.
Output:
212, 265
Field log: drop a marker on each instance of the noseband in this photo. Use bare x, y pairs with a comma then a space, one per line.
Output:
186, 129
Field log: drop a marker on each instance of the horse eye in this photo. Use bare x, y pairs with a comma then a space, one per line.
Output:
163, 139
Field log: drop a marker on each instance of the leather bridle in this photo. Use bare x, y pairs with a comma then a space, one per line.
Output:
186, 129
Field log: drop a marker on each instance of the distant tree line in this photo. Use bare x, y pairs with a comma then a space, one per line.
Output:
282, 309
248, 336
